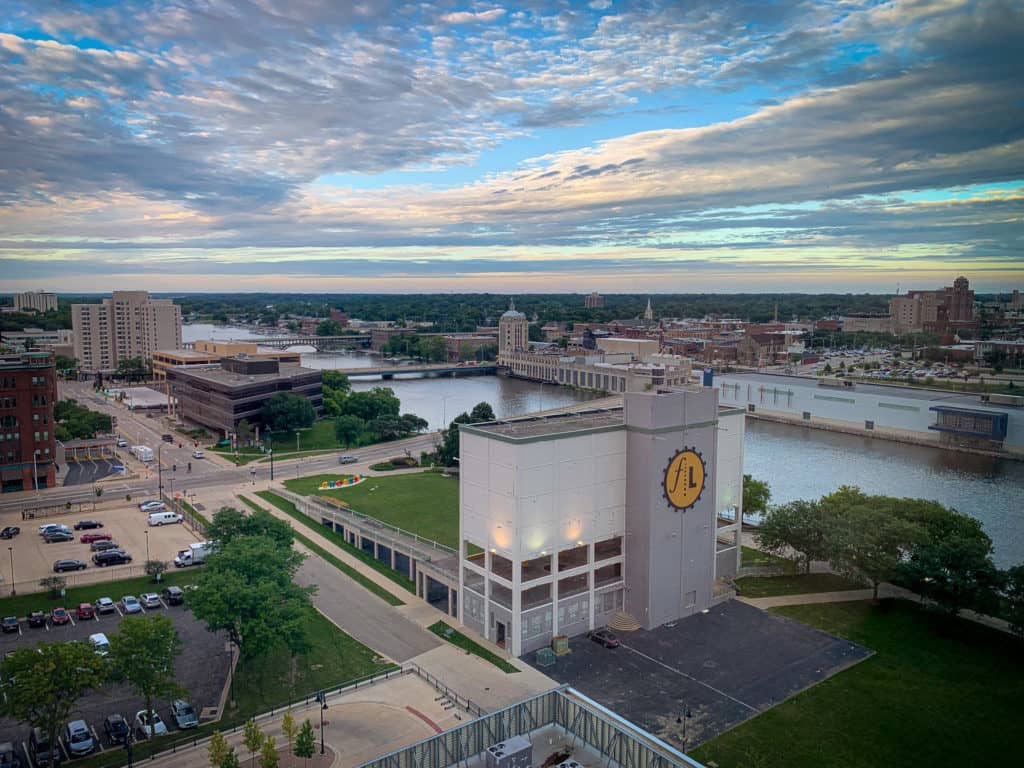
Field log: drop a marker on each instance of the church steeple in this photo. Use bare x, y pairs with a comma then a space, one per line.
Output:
649, 312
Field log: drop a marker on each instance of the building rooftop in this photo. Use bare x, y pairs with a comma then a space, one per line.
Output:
187, 354
215, 374
602, 418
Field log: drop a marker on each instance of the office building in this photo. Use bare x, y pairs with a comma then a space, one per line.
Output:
952, 306
594, 301
35, 301
28, 392
513, 332
220, 396
211, 353
126, 326
573, 521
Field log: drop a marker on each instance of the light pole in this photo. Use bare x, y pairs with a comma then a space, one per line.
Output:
687, 714
160, 471
11, 551
146, 531
297, 441
321, 696
270, 450
35, 470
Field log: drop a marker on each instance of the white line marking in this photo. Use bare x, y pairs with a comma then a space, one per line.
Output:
71, 620
694, 679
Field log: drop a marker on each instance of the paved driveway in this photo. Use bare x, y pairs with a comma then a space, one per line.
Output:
89, 471
724, 667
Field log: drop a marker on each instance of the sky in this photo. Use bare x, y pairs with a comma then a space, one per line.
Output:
335, 146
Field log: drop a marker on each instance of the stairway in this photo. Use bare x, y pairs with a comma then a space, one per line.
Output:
623, 622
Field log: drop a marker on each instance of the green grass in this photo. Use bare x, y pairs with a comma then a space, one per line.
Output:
342, 566
938, 692
22, 605
755, 557
425, 503
450, 634
338, 540
319, 437
773, 586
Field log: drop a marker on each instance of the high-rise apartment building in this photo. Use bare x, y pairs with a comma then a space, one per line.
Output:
933, 310
28, 391
594, 301
37, 301
128, 325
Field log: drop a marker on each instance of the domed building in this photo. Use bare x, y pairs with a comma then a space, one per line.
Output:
513, 331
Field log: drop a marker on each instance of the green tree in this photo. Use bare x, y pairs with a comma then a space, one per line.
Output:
54, 584
268, 753
43, 684
387, 427
756, 495
336, 381
800, 526
154, 568
305, 742
229, 524
482, 411
434, 348
144, 651
231, 761
289, 728
245, 433
347, 429
132, 366
253, 738
329, 328
1013, 598
287, 411
65, 364
413, 423
372, 404
217, 750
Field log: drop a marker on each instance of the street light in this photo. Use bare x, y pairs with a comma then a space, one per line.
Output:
160, 471
321, 696
270, 450
11, 551
146, 531
297, 441
687, 714
35, 470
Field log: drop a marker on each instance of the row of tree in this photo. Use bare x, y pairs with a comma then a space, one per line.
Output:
74, 421
366, 417
448, 451
301, 743
937, 552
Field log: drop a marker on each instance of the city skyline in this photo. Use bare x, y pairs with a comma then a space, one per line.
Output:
534, 147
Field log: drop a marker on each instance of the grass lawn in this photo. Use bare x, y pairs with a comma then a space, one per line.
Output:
450, 634
938, 692
289, 509
22, 605
754, 557
772, 586
426, 503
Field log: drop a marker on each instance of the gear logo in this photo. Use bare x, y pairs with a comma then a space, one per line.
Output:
684, 479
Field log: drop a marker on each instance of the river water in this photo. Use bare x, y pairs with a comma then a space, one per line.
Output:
798, 462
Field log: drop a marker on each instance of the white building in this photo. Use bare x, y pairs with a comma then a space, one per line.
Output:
128, 325
35, 301
569, 520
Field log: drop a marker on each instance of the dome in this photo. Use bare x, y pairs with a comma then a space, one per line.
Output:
512, 313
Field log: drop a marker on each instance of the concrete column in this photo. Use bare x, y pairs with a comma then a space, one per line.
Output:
449, 601
554, 593
392, 558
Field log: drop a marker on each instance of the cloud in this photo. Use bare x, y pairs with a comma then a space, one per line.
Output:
473, 17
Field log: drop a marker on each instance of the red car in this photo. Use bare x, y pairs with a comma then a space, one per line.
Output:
59, 616
86, 611
89, 538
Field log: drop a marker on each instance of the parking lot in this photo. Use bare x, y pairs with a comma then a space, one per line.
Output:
86, 471
34, 558
723, 667
201, 669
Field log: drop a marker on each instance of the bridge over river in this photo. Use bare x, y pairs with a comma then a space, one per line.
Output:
423, 370
320, 343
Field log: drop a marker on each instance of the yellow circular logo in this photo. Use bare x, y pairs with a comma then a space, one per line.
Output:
684, 479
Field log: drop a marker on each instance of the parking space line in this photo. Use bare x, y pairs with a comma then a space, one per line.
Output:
118, 611
161, 603
46, 626
95, 737
28, 757
71, 620
691, 677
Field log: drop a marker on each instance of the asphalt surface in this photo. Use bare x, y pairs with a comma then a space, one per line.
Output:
362, 614
202, 669
723, 667
90, 470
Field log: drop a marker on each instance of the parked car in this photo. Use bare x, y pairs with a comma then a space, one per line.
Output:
116, 728
39, 749
8, 756
164, 517
100, 643
89, 538
348, 460
103, 545
131, 604
86, 611
55, 536
59, 566
153, 505
9, 533
37, 619
59, 616
122, 443
105, 605
78, 738
46, 528
111, 557
198, 454
167, 438
184, 714
605, 637
149, 724
85, 525
150, 600
173, 595
11, 624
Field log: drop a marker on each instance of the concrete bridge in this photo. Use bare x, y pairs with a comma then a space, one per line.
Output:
319, 342
424, 370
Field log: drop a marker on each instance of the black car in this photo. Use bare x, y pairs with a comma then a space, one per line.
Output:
39, 749
104, 545
167, 438
8, 757
111, 557
116, 728
37, 619
85, 525
10, 624
53, 536
605, 637
9, 533
68, 565
173, 595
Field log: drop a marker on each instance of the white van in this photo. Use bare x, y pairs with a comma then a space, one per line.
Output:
100, 643
165, 517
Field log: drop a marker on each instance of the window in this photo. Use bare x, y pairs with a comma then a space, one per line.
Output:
750, 408
869, 425
807, 415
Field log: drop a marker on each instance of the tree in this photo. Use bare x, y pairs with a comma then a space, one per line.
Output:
449, 448
413, 423
756, 495
305, 742
482, 411
55, 584
329, 328
800, 526
434, 348
348, 428
1014, 598
229, 524
289, 728
155, 569
286, 411
43, 684
335, 380
65, 364
132, 366
268, 753
144, 652
387, 427
231, 761
253, 738
377, 402
245, 434
217, 749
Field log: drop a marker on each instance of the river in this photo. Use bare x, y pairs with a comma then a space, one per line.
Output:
798, 462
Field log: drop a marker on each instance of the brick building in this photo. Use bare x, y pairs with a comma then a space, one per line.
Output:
28, 392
